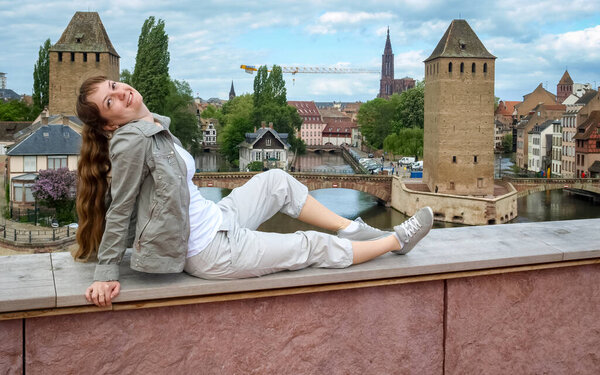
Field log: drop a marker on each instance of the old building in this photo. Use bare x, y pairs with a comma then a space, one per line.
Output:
564, 88
506, 113
337, 133
208, 128
540, 147
459, 115
531, 100
556, 169
2, 80
83, 50
569, 122
538, 115
311, 130
264, 145
51, 143
388, 85
587, 145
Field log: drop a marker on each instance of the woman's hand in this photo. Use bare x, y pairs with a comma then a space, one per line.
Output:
101, 293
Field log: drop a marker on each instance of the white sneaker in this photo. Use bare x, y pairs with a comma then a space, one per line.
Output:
414, 229
365, 232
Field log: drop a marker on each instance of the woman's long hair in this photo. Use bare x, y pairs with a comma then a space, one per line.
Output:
93, 172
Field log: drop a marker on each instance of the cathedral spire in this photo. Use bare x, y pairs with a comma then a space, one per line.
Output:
231, 92
388, 45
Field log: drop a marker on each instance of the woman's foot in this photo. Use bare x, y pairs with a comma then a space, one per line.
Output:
413, 230
358, 230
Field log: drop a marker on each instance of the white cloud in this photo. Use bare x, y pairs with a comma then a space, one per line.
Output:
331, 22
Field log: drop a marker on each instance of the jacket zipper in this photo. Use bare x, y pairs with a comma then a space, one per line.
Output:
138, 246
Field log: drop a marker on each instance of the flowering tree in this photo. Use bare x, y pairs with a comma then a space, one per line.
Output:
56, 189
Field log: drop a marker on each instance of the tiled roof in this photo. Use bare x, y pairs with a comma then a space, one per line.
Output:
460, 41
305, 107
251, 138
49, 140
8, 129
595, 167
588, 126
506, 107
332, 113
587, 97
543, 126
344, 127
566, 79
85, 33
8, 94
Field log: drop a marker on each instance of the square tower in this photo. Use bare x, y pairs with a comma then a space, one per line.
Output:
83, 50
459, 115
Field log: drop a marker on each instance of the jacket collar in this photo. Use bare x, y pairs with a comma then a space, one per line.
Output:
149, 128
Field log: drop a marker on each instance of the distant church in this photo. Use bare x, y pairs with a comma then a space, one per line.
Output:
83, 50
388, 85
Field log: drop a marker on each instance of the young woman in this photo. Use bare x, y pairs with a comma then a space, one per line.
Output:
135, 190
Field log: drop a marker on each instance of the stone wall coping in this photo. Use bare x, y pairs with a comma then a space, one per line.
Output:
404, 183
49, 281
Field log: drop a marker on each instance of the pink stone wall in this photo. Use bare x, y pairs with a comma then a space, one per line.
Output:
11, 346
379, 330
539, 322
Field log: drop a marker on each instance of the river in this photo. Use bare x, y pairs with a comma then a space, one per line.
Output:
541, 206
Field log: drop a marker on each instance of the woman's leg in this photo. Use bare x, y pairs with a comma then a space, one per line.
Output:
314, 213
363, 251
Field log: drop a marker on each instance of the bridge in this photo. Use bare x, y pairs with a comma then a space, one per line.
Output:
378, 186
323, 148
527, 186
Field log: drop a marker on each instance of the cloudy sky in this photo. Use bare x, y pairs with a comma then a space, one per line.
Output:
534, 41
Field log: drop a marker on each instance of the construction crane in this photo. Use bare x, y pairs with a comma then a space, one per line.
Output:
250, 69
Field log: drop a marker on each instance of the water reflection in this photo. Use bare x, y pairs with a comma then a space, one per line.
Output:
210, 161
542, 206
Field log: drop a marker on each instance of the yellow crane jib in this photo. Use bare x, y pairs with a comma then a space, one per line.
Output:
250, 69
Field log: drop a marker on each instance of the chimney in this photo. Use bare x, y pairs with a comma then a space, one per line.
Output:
65, 120
270, 125
44, 120
263, 124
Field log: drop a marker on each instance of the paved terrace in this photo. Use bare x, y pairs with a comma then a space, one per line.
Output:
513, 298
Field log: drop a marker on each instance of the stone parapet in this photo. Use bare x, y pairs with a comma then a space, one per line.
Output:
518, 298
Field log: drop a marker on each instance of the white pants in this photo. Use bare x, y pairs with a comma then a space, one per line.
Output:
239, 251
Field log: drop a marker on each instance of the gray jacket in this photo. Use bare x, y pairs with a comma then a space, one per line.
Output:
147, 173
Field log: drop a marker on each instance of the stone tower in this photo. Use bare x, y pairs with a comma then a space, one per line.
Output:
231, 92
564, 87
83, 50
459, 115
386, 85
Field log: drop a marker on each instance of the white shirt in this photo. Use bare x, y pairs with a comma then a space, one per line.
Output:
205, 215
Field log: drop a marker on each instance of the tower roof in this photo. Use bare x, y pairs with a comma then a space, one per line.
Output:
231, 90
460, 41
388, 44
85, 33
566, 79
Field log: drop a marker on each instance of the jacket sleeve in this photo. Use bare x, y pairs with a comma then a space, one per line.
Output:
128, 155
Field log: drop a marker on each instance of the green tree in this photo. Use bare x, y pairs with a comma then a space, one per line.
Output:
16, 110
236, 120
179, 106
41, 78
407, 142
126, 77
210, 112
151, 73
507, 143
270, 105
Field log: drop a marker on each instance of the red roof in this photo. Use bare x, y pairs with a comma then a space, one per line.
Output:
506, 107
339, 127
305, 108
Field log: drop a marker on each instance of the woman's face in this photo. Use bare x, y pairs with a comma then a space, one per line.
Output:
118, 103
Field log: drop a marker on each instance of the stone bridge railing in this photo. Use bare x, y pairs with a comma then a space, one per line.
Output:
378, 186
527, 186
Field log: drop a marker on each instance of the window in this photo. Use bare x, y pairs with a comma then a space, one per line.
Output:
454, 159
268, 143
85, 57
480, 182
28, 193
450, 67
473, 68
475, 159
97, 57
56, 162
485, 67
18, 192
257, 156
451, 185
60, 56
462, 67
72, 56
29, 164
